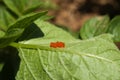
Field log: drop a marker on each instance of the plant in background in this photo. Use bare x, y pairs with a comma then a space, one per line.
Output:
100, 25
27, 51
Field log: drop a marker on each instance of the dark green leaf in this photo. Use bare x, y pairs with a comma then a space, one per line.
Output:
31, 32
1, 66
10, 36
25, 21
5, 18
22, 6
94, 26
114, 28
16, 29
9, 56
46, 17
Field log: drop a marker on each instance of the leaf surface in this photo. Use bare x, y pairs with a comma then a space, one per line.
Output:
90, 59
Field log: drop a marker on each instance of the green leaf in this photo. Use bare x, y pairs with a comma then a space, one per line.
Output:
16, 29
10, 36
47, 17
90, 59
48, 4
5, 18
25, 21
114, 28
1, 66
94, 26
2, 34
21, 7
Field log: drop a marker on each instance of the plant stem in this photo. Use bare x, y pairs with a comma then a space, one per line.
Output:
18, 45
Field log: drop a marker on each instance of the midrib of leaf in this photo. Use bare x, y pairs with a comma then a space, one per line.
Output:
24, 59
29, 46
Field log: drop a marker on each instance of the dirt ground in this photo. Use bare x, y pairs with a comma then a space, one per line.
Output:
73, 13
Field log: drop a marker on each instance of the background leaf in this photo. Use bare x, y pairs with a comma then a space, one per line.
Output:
5, 18
22, 6
114, 28
94, 27
2, 34
48, 4
1, 66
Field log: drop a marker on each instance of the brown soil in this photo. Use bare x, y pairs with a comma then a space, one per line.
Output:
73, 13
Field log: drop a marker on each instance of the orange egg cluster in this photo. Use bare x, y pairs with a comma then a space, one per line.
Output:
57, 44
